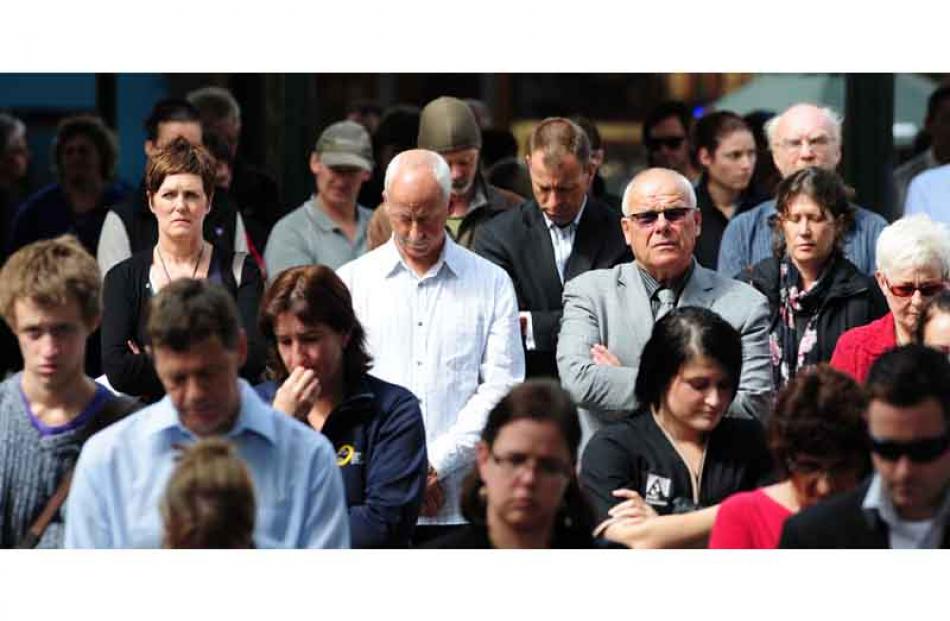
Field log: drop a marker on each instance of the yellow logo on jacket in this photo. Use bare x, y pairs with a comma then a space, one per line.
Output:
344, 454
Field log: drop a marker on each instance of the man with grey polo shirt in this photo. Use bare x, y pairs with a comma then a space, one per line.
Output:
330, 227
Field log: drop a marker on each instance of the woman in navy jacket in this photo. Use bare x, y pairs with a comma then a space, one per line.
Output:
319, 367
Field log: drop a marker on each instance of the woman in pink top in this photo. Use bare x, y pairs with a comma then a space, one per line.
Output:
818, 439
913, 265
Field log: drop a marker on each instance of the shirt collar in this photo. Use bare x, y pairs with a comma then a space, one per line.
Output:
652, 285
319, 216
254, 416
450, 257
551, 224
877, 499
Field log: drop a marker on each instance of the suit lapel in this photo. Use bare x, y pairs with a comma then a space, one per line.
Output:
697, 289
587, 243
636, 312
540, 239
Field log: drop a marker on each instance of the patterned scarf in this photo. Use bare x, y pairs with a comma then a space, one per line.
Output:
791, 348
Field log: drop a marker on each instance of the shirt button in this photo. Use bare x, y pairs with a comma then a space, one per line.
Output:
419, 324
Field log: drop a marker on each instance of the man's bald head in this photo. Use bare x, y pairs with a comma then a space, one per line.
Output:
656, 182
416, 196
805, 135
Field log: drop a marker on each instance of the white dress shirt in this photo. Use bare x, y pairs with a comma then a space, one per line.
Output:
451, 337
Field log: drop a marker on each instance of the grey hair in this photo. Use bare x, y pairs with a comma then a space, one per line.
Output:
832, 118
11, 128
214, 102
433, 161
687, 188
914, 242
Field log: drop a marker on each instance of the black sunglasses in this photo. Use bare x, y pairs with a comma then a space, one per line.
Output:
672, 143
649, 218
918, 451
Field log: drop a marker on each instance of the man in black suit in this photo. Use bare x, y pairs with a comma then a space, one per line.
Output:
906, 503
545, 242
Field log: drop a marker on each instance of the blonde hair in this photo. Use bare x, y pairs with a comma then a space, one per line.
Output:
209, 500
51, 272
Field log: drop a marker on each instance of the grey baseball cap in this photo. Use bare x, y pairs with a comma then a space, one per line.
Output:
345, 143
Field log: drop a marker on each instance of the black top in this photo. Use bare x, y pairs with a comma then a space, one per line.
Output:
841, 522
634, 453
126, 293
475, 537
714, 222
851, 299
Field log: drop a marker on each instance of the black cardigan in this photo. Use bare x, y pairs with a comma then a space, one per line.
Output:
126, 293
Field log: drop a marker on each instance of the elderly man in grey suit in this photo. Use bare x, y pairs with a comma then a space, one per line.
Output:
609, 314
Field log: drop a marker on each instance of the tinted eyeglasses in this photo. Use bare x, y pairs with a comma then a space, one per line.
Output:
918, 451
547, 467
672, 143
649, 218
926, 289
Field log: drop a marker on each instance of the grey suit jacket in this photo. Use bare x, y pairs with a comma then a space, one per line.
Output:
610, 306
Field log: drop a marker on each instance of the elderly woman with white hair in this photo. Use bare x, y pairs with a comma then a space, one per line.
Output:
913, 265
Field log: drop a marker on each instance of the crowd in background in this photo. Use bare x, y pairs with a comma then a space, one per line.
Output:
449, 345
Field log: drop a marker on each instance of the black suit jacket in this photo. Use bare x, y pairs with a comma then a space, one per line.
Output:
518, 241
840, 522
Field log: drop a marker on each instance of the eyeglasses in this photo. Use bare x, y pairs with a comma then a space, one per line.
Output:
926, 289
649, 218
818, 142
547, 467
918, 451
672, 143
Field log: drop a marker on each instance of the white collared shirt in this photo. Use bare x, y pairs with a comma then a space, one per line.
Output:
920, 534
451, 337
562, 239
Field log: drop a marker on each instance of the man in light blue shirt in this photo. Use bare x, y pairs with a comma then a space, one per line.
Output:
122, 472
802, 136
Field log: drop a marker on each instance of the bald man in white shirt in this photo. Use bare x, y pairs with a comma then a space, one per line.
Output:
441, 321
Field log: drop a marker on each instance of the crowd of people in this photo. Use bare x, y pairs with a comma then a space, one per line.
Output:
729, 355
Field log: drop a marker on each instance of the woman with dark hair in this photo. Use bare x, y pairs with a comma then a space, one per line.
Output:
523, 492
933, 326
725, 149
179, 181
319, 369
814, 292
209, 499
819, 442
676, 454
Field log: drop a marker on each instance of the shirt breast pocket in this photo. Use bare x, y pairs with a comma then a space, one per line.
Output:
464, 350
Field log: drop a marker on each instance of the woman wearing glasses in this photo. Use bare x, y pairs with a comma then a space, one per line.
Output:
725, 149
913, 265
814, 292
523, 492
655, 478
819, 440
